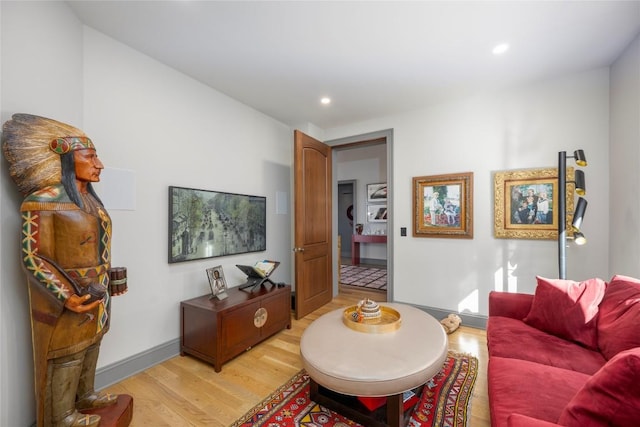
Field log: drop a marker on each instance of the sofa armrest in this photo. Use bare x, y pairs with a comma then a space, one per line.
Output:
517, 420
509, 304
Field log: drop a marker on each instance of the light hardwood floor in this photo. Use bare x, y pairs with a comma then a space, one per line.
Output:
183, 391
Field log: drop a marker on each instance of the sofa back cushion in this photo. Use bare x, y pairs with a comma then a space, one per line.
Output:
567, 309
611, 397
619, 316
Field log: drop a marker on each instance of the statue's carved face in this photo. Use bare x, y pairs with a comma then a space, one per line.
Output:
87, 165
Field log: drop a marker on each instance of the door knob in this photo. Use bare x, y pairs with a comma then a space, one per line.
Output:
298, 249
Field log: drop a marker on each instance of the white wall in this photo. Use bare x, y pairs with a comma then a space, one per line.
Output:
171, 130
41, 74
164, 127
519, 129
624, 254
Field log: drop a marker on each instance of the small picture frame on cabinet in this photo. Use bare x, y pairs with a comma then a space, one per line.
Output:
217, 282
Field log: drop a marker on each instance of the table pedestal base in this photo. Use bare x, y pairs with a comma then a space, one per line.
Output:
389, 415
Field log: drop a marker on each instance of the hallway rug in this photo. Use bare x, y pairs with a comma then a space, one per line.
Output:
363, 277
445, 401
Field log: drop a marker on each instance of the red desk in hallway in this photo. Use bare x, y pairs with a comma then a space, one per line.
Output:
356, 239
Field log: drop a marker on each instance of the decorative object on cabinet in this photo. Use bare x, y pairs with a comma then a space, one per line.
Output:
526, 202
207, 224
443, 205
258, 274
217, 282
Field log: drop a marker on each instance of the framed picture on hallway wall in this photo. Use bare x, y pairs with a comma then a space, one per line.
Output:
377, 213
443, 205
526, 205
377, 193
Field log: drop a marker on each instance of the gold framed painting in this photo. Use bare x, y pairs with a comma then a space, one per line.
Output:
526, 203
443, 205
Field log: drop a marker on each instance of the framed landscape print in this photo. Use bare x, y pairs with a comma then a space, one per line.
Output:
526, 203
443, 205
206, 224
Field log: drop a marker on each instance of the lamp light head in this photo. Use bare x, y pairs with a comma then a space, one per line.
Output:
578, 214
581, 159
581, 186
579, 238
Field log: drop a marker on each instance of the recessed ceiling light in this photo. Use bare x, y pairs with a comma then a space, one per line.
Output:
325, 100
500, 49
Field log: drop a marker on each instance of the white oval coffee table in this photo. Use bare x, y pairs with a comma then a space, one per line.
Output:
356, 363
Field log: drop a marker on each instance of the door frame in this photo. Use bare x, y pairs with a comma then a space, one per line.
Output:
364, 140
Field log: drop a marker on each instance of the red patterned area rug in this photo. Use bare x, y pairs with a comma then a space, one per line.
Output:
372, 278
444, 402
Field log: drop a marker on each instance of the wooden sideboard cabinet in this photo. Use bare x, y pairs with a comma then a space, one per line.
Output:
217, 331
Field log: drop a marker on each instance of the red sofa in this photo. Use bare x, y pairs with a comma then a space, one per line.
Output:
568, 355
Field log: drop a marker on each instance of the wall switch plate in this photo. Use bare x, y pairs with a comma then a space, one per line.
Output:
403, 231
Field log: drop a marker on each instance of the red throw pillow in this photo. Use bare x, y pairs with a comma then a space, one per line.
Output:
567, 309
611, 397
619, 316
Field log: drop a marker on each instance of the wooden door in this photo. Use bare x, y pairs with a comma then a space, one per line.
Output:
312, 234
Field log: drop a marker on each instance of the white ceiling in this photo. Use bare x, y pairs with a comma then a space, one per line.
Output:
373, 58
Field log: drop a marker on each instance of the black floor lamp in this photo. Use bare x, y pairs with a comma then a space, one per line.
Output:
579, 211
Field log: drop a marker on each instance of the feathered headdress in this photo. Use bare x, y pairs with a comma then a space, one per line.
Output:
32, 145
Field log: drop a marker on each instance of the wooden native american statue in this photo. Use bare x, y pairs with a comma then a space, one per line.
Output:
66, 244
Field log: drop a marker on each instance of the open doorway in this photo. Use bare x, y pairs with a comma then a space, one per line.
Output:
360, 162
346, 213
